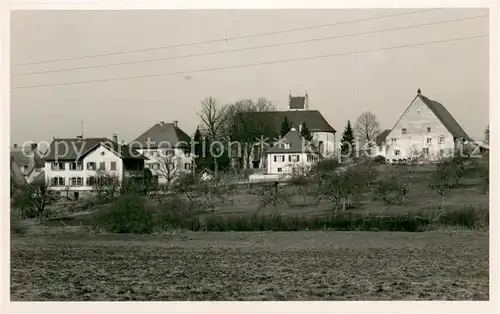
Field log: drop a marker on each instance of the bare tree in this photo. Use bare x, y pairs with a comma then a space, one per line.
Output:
106, 185
243, 126
366, 129
169, 168
37, 195
212, 117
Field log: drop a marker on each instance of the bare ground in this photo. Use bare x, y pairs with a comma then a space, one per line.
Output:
252, 266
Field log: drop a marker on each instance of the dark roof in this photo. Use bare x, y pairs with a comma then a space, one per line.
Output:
380, 139
163, 135
294, 139
297, 102
445, 117
314, 120
77, 148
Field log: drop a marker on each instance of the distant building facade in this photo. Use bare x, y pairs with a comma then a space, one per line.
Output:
168, 151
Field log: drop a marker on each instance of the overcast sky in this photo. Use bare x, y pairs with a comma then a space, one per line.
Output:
341, 87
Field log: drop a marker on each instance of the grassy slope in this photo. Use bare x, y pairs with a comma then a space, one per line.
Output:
251, 266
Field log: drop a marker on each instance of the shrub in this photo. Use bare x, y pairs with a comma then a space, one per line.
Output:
126, 215
468, 217
339, 221
176, 214
379, 160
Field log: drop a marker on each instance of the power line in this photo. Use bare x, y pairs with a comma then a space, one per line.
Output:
251, 64
245, 49
224, 39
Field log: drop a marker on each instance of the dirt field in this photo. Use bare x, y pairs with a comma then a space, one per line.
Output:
252, 266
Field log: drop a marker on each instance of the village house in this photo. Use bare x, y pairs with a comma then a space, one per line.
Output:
291, 152
298, 113
76, 165
168, 149
26, 163
425, 131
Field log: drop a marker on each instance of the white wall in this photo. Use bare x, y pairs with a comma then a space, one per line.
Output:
286, 165
416, 120
101, 154
158, 156
328, 140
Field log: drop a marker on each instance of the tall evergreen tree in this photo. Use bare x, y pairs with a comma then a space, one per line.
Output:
347, 142
286, 126
305, 133
198, 149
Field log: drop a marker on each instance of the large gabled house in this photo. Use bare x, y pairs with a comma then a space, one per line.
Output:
168, 149
75, 165
298, 113
426, 131
291, 151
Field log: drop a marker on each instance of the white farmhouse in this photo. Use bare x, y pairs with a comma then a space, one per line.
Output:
425, 130
168, 149
290, 152
73, 165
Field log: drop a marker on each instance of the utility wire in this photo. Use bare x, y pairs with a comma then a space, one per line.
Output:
251, 64
245, 49
224, 39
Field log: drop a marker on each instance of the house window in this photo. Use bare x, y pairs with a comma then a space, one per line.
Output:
57, 181
425, 150
187, 153
113, 165
57, 166
275, 158
102, 166
187, 166
76, 181
91, 181
441, 139
393, 141
403, 131
428, 129
76, 166
310, 158
397, 152
289, 158
91, 166
280, 169
293, 158
429, 140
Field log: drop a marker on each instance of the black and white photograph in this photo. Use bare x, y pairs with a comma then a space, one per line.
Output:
250, 155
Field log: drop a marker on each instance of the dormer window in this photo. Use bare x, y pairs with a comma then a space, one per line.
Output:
403, 131
287, 146
428, 129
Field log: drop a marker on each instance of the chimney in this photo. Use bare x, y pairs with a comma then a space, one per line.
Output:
306, 102
162, 123
300, 128
115, 138
176, 123
419, 92
15, 145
